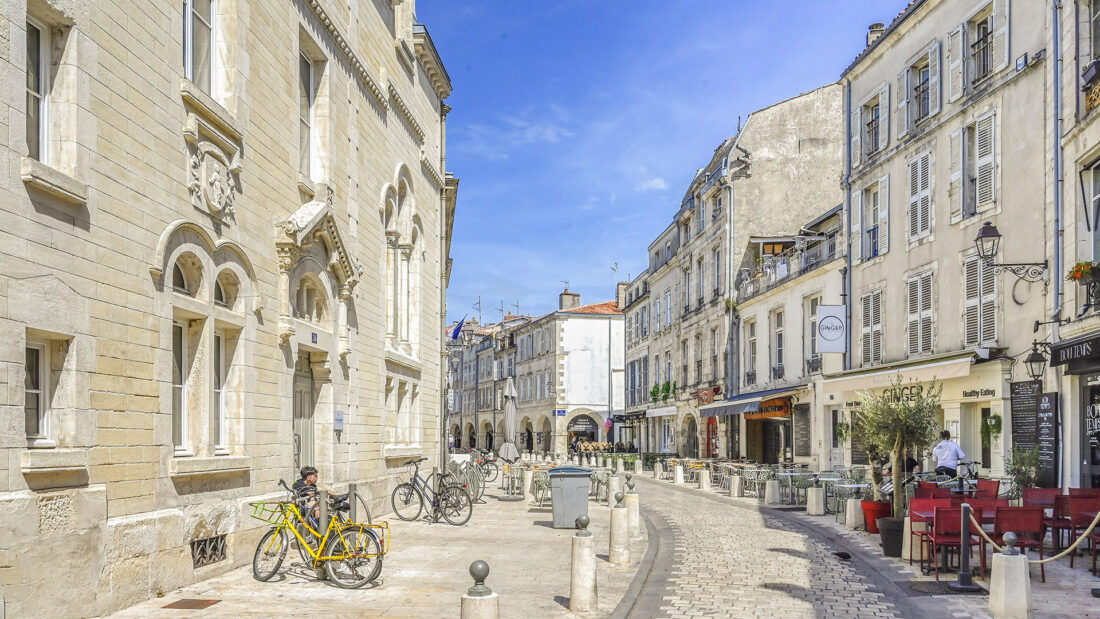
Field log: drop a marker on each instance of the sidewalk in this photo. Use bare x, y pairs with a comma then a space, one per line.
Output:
426, 572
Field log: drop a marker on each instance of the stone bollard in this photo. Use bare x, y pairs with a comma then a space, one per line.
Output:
633, 508
583, 596
815, 501
737, 486
479, 601
618, 541
853, 514
921, 552
658, 469
704, 479
771, 492
576, 460
589, 460
614, 484
638, 466
678, 474
1010, 583
528, 481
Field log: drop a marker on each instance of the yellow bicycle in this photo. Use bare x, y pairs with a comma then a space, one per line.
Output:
351, 552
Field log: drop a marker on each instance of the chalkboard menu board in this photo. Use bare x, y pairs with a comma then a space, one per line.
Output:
859, 447
801, 422
1024, 399
1047, 439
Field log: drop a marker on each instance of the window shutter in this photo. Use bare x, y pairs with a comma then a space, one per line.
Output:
955, 64
926, 313
934, 79
884, 214
913, 305
855, 240
955, 188
984, 139
857, 135
989, 304
925, 193
903, 103
883, 116
865, 329
914, 198
972, 307
1000, 34
876, 326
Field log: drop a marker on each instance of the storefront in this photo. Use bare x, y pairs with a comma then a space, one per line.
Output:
629, 426
973, 392
1079, 456
763, 419
662, 434
583, 428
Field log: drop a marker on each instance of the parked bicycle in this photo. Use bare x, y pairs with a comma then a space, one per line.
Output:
350, 552
487, 462
339, 508
451, 501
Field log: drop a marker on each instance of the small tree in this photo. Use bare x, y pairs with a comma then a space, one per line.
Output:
901, 418
1022, 465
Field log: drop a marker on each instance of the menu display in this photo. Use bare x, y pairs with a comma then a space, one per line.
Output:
1024, 400
801, 422
1047, 439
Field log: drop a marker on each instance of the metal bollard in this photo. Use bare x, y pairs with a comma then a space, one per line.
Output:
480, 602
965, 581
583, 588
353, 501
322, 519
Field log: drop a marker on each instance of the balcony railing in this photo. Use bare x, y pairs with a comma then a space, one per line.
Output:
982, 53
786, 266
813, 365
750, 378
715, 175
698, 371
684, 375
777, 372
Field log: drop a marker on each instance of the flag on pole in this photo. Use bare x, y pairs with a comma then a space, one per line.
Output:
458, 329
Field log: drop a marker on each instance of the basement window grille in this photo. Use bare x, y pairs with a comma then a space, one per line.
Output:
207, 550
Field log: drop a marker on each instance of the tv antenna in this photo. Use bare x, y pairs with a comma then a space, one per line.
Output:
501, 310
566, 282
516, 305
477, 306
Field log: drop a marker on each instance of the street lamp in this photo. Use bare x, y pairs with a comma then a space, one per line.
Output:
988, 244
1036, 363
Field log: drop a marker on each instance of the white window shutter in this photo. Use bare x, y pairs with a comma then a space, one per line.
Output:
989, 304
926, 313
1000, 34
903, 103
876, 326
986, 163
857, 135
972, 303
926, 193
955, 188
913, 307
883, 116
914, 198
955, 64
884, 214
855, 240
934, 79
865, 329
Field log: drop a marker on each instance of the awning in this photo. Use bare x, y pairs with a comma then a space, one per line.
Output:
744, 402
661, 412
942, 369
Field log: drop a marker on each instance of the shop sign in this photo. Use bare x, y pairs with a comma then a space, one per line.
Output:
832, 328
778, 407
706, 396
979, 393
1074, 351
1047, 440
1092, 419
582, 423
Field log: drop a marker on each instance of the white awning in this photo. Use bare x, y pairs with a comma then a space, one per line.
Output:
663, 411
937, 370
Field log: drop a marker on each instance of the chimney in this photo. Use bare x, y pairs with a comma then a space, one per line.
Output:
568, 300
620, 294
874, 31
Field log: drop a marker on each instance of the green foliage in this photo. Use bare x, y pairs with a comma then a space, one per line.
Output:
666, 389
900, 419
990, 429
655, 393
673, 386
843, 432
1022, 465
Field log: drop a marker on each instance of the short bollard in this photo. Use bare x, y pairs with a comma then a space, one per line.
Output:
618, 467
528, 479
590, 464
618, 544
576, 460
658, 469
1010, 583
704, 479
737, 486
678, 474
633, 508
771, 492
815, 501
614, 484
583, 591
853, 514
479, 601
637, 466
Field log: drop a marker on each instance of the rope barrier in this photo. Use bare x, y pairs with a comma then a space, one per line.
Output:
1065, 552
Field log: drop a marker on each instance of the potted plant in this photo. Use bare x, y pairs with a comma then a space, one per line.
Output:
1083, 273
666, 389
875, 507
900, 419
990, 430
655, 393
1022, 465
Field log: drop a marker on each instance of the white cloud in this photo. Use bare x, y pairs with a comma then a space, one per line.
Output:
510, 132
654, 184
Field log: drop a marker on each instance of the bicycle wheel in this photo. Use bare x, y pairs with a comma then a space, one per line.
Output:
270, 553
407, 502
360, 557
311, 540
491, 471
455, 505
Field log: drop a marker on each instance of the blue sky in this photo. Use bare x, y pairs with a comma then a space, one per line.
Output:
577, 124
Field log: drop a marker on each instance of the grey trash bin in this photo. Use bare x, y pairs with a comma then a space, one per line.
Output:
569, 494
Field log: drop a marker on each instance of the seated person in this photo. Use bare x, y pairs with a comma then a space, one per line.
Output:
306, 490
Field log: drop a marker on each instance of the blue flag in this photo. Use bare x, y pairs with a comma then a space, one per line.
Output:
458, 329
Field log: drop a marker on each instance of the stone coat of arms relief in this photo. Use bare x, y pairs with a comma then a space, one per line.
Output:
213, 160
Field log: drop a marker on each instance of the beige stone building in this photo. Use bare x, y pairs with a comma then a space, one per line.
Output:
225, 235
947, 131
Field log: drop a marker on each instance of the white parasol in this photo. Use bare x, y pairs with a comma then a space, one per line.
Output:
508, 451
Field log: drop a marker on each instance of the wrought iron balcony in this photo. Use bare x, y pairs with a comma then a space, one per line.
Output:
777, 372
781, 268
813, 364
750, 378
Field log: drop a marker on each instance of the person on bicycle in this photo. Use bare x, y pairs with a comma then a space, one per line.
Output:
947, 454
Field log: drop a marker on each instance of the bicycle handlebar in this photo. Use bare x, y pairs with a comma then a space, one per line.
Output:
415, 461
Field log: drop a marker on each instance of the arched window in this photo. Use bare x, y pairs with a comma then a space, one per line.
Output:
179, 280
219, 294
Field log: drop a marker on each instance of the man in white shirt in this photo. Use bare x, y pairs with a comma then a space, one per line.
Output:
947, 454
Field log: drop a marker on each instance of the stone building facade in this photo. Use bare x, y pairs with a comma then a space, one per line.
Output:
226, 228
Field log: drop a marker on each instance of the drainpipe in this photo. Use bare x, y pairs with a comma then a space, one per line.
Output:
732, 339
444, 387
847, 294
1055, 20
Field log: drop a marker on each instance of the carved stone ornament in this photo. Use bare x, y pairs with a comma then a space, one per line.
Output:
211, 183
